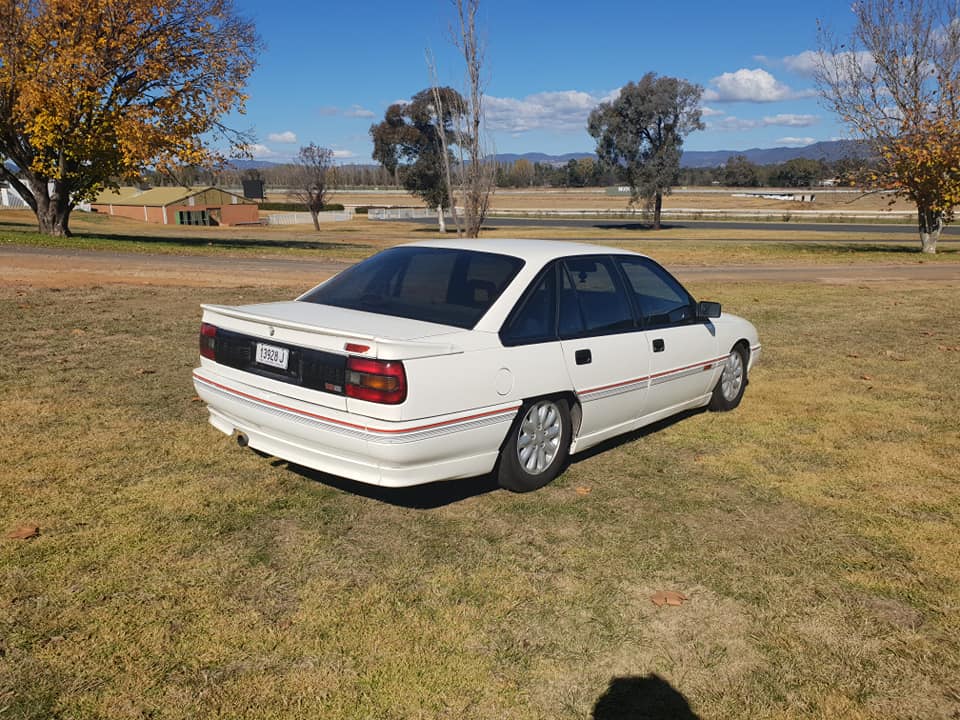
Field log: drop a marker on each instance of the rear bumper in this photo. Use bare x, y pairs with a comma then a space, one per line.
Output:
390, 454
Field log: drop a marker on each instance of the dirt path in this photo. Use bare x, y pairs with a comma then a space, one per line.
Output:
45, 267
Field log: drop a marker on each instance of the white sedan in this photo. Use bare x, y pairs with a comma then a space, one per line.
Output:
452, 359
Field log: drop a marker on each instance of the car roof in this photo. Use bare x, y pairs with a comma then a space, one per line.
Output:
536, 252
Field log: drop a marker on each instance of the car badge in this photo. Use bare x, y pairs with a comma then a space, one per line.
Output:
272, 331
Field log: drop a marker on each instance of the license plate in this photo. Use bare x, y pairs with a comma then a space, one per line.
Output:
272, 355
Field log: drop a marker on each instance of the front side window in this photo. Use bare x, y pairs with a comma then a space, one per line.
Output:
438, 285
662, 301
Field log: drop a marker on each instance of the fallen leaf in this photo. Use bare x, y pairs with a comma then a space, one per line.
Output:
583, 490
948, 348
24, 532
22, 306
668, 597
866, 377
145, 371
195, 398
852, 355
927, 333
78, 331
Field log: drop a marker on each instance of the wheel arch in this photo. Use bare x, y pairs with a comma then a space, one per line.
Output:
573, 403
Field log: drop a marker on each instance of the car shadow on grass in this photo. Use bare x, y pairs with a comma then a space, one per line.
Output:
430, 496
644, 698
418, 497
633, 435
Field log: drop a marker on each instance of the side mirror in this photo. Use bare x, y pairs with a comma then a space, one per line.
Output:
707, 310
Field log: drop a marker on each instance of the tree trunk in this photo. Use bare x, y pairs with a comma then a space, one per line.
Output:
316, 219
657, 208
441, 221
53, 207
931, 223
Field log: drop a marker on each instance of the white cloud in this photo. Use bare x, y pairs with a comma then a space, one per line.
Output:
344, 154
796, 141
746, 85
804, 63
283, 137
354, 111
710, 112
261, 152
790, 120
807, 62
731, 123
565, 110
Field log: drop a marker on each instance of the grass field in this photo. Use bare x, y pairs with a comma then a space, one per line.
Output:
702, 198
814, 530
354, 240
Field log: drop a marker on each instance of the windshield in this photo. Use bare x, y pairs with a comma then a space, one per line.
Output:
438, 285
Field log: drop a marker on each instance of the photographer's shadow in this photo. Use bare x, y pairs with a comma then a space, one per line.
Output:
642, 698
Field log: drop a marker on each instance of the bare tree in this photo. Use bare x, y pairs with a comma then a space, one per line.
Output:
312, 170
477, 177
438, 108
896, 83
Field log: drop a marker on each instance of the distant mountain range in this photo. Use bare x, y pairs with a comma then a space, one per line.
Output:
830, 151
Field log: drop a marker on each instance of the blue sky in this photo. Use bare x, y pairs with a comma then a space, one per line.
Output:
329, 70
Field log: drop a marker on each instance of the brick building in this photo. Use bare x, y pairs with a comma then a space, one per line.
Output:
178, 206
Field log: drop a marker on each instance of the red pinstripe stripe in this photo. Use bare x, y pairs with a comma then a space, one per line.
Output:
704, 363
367, 428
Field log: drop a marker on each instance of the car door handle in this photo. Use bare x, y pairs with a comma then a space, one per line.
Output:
658, 345
583, 357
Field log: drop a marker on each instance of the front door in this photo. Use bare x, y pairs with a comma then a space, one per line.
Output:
683, 350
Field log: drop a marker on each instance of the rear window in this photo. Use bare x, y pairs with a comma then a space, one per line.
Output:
438, 285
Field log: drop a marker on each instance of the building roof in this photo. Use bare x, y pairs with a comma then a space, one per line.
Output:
155, 197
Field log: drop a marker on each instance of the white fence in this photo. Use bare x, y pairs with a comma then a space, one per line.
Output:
400, 213
303, 218
9, 198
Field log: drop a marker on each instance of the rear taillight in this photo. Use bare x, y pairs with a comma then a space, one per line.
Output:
208, 341
378, 381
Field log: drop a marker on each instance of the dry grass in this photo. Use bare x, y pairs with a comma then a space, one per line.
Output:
354, 240
814, 529
597, 199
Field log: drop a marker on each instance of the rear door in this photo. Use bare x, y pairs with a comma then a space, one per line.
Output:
603, 348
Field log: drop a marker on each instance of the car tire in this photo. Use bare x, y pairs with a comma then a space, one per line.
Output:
537, 447
733, 381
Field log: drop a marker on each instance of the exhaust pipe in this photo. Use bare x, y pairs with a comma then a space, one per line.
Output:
242, 440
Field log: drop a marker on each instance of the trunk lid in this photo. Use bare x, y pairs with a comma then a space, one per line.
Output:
331, 329
299, 349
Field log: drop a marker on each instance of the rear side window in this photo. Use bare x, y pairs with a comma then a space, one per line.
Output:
438, 285
661, 299
534, 319
604, 306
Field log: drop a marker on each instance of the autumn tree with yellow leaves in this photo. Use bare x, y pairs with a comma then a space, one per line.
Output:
92, 92
896, 83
